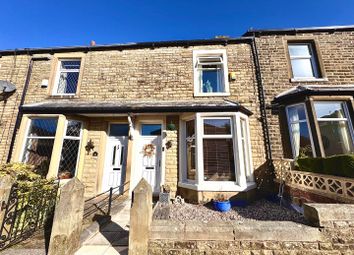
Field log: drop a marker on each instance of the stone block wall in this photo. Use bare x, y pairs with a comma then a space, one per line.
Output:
332, 233
335, 51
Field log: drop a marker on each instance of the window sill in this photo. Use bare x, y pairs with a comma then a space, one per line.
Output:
217, 186
211, 94
64, 96
308, 79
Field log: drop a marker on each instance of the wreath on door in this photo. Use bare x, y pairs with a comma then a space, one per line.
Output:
149, 150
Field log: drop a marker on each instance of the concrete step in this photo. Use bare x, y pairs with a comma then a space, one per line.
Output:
102, 250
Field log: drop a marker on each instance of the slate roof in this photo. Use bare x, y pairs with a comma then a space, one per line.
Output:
304, 90
128, 106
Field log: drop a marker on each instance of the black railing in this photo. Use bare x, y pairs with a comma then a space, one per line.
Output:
27, 210
102, 202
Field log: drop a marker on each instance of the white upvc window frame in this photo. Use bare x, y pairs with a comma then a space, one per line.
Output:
219, 53
312, 56
299, 121
346, 113
76, 138
60, 70
242, 183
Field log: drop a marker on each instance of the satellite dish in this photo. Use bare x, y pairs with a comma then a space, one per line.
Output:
6, 89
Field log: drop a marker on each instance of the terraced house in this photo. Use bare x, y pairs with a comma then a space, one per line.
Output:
201, 116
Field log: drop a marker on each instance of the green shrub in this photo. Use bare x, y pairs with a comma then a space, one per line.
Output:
25, 175
337, 165
314, 165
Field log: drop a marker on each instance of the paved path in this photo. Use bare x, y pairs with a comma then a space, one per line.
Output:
112, 238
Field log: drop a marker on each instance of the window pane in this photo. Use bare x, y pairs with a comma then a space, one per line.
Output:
43, 127
68, 82
73, 128
219, 162
336, 138
119, 130
296, 113
151, 129
70, 64
217, 126
38, 152
245, 148
302, 68
301, 139
190, 145
329, 110
212, 80
68, 159
299, 50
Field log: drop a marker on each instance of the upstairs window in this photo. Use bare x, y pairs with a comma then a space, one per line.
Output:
303, 61
210, 72
67, 77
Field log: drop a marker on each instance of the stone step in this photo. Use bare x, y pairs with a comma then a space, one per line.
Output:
102, 250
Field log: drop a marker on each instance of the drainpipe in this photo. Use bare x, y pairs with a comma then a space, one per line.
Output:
261, 98
23, 97
19, 115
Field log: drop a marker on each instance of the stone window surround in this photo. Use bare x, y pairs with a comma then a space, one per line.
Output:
243, 182
54, 72
315, 134
58, 142
220, 52
316, 49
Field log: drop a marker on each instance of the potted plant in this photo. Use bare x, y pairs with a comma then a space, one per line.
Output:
64, 175
221, 204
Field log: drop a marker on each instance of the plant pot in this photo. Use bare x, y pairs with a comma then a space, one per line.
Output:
222, 206
239, 203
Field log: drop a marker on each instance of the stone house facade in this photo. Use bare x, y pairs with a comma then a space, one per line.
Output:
201, 116
308, 83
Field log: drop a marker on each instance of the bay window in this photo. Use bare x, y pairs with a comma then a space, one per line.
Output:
42, 135
215, 153
333, 128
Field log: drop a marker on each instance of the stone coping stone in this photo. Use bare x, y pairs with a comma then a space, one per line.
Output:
229, 231
321, 214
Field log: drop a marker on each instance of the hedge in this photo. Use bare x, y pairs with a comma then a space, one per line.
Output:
337, 165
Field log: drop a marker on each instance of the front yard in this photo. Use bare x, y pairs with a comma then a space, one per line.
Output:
261, 210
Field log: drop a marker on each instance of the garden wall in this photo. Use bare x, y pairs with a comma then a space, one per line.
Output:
332, 233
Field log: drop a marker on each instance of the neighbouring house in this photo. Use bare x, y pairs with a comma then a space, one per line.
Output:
202, 116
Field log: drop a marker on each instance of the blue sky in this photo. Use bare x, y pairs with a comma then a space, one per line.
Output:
39, 23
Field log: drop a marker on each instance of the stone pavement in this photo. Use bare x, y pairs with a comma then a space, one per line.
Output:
112, 238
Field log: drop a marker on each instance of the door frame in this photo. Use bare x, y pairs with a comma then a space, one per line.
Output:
104, 155
135, 177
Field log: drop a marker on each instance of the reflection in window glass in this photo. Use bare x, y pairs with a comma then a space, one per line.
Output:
119, 130
217, 126
190, 146
70, 150
333, 122
299, 131
39, 143
303, 60
150, 129
68, 76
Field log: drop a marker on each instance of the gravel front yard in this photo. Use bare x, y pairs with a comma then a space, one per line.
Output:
261, 210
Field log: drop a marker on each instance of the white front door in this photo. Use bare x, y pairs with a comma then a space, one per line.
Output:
149, 155
116, 157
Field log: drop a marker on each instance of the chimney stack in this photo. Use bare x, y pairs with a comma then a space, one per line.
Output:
92, 43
